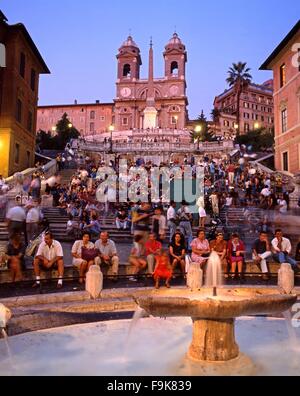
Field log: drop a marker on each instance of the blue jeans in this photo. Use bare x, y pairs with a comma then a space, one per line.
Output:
284, 258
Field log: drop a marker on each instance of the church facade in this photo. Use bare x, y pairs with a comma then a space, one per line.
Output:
154, 102
140, 104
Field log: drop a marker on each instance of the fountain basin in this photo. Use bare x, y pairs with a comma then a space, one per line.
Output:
214, 317
230, 303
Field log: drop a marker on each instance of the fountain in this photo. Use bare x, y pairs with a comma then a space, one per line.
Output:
213, 313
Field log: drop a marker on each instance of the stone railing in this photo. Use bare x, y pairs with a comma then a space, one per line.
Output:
157, 147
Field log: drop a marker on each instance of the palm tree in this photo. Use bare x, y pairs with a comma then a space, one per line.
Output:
239, 77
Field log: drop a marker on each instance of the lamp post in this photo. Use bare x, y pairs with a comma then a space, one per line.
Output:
111, 129
198, 131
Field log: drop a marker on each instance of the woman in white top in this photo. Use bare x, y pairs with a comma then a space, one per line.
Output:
79, 262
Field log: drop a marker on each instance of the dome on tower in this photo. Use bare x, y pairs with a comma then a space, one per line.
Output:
175, 42
129, 42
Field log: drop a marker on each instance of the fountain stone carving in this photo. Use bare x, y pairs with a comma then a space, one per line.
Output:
213, 311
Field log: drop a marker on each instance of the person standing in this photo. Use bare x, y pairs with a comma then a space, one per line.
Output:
33, 218
171, 218
185, 225
16, 220
159, 224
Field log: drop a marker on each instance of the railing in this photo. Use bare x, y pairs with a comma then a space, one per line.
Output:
157, 147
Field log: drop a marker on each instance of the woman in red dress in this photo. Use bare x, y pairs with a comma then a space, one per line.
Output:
163, 269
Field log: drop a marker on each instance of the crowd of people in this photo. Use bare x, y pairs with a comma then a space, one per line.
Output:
227, 184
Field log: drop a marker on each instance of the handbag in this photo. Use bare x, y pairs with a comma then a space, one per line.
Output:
89, 254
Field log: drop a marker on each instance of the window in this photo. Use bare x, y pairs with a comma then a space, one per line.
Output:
174, 69
262, 118
32, 79
284, 120
19, 110
92, 115
125, 121
282, 75
28, 159
17, 153
102, 118
30, 121
246, 105
285, 160
247, 116
22, 65
92, 127
127, 71
247, 128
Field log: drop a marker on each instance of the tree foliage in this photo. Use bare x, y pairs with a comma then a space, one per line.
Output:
260, 139
65, 131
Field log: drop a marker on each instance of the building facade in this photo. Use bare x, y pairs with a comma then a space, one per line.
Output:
140, 104
19, 84
285, 63
256, 109
89, 119
165, 97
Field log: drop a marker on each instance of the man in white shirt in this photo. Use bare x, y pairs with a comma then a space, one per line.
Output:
49, 255
281, 249
171, 218
16, 221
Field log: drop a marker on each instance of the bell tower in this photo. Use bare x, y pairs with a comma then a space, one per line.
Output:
129, 61
175, 58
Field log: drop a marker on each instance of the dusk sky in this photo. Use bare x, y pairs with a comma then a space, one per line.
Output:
80, 39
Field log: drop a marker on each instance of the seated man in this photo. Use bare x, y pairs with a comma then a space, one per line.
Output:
49, 255
94, 228
282, 249
261, 251
122, 220
108, 254
153, 249
82, 263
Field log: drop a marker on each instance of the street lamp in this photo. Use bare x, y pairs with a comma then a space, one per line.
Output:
256, 125
70, 125
198, 131
111, 129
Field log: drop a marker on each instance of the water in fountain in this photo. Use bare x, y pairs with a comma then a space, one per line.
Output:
139, 314
10, 359
294, 340
214, 275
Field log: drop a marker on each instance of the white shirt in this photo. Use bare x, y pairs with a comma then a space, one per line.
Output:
283, 205
285, 245
16, 213
50, 253
228, 201
77, 247
171, 213
266, 192
33, 216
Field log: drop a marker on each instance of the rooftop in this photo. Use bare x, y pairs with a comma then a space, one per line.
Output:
267, 65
